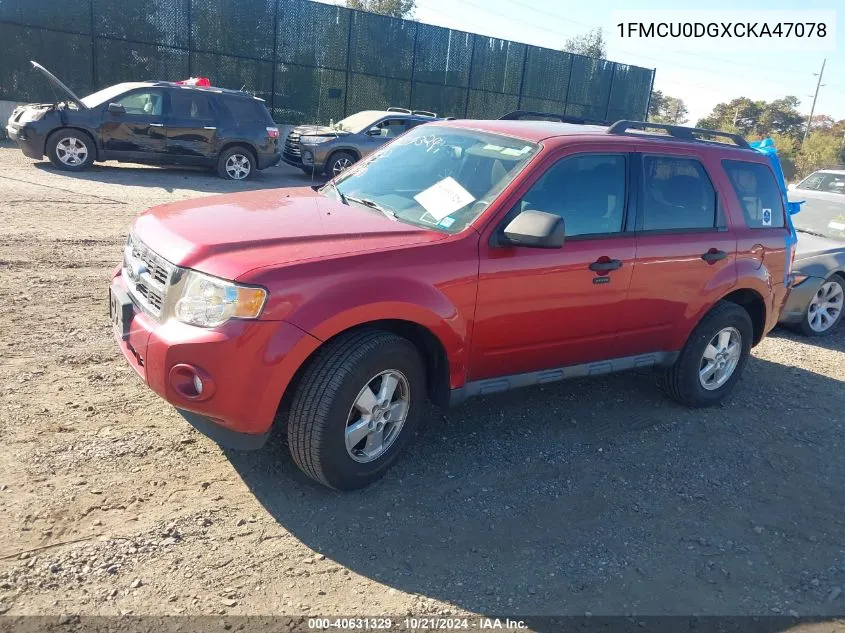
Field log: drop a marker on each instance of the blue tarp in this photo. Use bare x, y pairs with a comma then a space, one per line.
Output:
767, 147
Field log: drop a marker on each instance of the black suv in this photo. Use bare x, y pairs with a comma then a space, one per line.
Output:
183, 123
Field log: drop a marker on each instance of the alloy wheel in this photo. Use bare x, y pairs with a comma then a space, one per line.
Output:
341, 165
238, 166
71, 151
720, 358
377, 416
826, 306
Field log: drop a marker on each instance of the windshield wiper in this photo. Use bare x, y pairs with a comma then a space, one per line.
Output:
809, 232
372, 204
339, 193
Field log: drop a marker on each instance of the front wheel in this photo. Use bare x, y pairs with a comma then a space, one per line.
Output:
339, 163
824, 312
713, 358
356, 407
236, 163
71, 150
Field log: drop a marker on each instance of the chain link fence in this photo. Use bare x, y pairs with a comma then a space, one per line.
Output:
309, 61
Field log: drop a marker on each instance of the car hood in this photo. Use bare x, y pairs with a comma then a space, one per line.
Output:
58, 84
229, 235
319, 130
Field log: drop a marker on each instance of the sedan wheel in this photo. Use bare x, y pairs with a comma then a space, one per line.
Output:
825, 309
720, 358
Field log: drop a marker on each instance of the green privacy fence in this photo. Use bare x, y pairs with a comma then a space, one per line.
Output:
309, 61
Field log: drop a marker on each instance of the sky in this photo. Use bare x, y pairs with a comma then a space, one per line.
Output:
702, 79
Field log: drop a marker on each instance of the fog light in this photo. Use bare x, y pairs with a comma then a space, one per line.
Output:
191, 382
307, 158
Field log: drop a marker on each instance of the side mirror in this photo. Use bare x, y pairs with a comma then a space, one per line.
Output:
374, 131
536, 229
791, 186
116, 108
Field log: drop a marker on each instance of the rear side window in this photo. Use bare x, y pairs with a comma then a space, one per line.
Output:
758, 193
677, 195
245, 110
190, 104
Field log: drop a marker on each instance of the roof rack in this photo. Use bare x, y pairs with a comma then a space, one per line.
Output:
427, 113
530, 115
402, 110
677, 131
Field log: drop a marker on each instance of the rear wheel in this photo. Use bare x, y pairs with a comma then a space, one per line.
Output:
339, 162
713, 358
355, 408
71, 150
825, 310
236, 163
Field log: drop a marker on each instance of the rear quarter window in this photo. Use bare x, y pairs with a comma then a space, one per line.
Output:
758, 193
246, 110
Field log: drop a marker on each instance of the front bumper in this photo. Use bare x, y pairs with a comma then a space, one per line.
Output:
795, 306
247, 366
30, 142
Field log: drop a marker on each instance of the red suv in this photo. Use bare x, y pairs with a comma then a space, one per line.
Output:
463, 258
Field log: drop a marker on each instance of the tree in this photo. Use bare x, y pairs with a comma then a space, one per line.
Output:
393, 8
665, 109
590, 44
817, 152
757, 118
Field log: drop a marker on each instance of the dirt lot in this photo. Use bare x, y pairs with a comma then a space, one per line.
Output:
599, 496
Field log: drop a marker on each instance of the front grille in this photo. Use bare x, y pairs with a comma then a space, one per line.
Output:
292, 145
147, 275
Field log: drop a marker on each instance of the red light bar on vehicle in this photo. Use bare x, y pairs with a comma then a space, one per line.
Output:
203, 82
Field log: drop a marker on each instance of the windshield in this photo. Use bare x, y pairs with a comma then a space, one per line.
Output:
824, 181
821, 217
437, 177
359, 121
106, 94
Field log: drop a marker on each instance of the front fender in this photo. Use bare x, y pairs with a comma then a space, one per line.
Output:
342, 308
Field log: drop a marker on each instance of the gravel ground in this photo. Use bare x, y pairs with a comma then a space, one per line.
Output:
596, 496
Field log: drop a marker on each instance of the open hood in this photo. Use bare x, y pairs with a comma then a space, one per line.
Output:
55, 81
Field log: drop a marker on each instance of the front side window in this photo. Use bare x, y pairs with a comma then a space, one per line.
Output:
142, 102
390, 128
758, 192
587, 191
456, 173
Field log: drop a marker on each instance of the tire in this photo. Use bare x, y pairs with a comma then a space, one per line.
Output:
323, 409
71, 150
236, 163
683, 381
339, 162
812, 324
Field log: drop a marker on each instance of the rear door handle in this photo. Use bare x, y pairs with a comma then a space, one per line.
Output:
603, 266
714, 255
156, 124
209, 127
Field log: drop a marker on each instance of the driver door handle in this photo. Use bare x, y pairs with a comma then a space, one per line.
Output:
605, 265
156, 124
713, 255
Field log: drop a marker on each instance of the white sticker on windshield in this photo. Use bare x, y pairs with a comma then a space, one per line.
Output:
493, 148
767, 217
510, 151
443, 198
836, 226
447, 222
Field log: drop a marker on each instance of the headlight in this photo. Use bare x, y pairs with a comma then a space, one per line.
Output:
312, 140
208, 301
